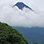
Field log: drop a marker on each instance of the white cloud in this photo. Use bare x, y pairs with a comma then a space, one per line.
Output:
16, 17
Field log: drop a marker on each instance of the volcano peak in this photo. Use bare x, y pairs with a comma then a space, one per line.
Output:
21, 5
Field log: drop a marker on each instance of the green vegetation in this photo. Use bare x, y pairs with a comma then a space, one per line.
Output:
8, 35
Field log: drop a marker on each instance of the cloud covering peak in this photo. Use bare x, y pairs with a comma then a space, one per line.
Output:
16, 17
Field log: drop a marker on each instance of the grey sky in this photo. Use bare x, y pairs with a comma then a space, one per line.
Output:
16, 17
39, 3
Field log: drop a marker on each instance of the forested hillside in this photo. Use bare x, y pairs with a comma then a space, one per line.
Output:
8, 35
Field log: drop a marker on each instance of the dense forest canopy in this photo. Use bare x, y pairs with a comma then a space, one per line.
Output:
8, 35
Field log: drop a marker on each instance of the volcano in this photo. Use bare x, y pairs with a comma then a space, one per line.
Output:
21, 5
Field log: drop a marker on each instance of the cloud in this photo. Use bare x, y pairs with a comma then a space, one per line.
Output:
17, 17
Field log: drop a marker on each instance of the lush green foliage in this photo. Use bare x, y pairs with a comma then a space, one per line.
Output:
8, 35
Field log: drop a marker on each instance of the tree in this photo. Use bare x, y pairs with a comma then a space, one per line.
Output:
8, 35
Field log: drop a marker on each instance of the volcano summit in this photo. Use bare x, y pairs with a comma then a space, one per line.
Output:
21, 5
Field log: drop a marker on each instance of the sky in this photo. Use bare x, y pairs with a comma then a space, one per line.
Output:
26, 18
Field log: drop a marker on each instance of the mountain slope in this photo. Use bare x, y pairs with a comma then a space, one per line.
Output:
33, 34
8, 35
